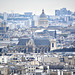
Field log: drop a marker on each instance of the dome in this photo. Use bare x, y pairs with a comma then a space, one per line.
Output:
43, 15
43, 20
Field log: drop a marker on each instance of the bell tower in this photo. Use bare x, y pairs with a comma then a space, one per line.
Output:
52, 44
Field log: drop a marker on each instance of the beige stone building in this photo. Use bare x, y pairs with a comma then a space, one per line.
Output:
70, 60
36, 45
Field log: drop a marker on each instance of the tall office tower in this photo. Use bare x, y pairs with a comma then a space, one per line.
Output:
57, 12
3, 28
28, 16
35, 21
5, 16
62, 12
43, 20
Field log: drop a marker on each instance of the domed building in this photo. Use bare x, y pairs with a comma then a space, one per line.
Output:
43, 20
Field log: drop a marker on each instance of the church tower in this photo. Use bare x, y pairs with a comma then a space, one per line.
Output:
52, 44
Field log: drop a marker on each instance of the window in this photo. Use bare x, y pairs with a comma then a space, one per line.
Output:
52, 44
2, 59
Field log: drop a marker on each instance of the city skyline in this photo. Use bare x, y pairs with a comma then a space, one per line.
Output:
35, 6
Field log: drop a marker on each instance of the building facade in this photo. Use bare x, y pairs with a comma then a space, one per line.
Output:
36, 45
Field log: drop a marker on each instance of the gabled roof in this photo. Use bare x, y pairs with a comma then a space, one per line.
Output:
23, 41
41, 41
37, 41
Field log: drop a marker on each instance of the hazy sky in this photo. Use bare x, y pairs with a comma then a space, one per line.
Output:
35, 6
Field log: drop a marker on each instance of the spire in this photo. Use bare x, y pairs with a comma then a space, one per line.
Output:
42, 11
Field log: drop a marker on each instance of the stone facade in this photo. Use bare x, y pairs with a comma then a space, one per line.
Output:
36, 45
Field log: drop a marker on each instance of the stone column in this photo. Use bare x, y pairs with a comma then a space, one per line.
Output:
6, 71
26, 49
61, 72
33, 49
71, 73
58, 72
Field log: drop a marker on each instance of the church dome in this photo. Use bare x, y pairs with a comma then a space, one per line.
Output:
43, 15
43, 20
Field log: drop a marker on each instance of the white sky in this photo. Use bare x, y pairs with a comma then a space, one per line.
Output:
35, 6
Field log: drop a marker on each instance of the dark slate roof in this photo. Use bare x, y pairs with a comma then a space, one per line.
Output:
73, 43
0, 49
6, 36
56, 67
64, 50
37, 41
41, 41
23, 41
38, 73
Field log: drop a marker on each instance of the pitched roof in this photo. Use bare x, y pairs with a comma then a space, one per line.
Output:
23, 41
41, 41
37, 41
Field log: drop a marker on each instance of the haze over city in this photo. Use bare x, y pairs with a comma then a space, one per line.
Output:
35, 6
37, 37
